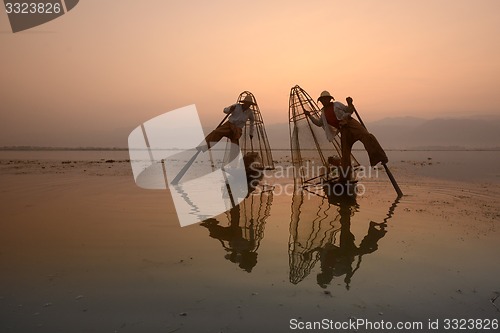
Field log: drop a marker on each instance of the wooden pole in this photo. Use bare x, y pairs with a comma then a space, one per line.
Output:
389, 173
185, 168
393, 180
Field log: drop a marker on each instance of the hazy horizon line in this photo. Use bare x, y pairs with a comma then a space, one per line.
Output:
418, 148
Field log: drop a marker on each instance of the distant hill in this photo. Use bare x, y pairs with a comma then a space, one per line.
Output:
469, 133
417, 133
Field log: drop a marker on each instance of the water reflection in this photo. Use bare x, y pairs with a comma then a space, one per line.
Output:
243, 229
320, 231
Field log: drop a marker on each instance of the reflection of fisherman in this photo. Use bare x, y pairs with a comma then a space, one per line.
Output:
241, 250
233, 128
336, 117
338, 260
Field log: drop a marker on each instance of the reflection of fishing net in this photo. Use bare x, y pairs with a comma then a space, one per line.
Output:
253, 212
244, 231
260, 142
309, 233
310, 148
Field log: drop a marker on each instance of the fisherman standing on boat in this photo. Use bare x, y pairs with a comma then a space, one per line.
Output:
238, 113
336, 117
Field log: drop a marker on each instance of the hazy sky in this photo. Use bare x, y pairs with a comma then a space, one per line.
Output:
94, 74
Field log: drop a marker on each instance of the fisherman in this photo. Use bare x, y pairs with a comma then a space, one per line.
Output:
233, 128
337, 117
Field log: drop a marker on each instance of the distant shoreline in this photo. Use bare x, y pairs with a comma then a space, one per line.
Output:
436, 148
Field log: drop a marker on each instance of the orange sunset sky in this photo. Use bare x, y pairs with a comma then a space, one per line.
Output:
94, 74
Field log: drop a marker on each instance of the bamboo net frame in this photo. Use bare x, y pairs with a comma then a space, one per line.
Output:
308, 144
260, 142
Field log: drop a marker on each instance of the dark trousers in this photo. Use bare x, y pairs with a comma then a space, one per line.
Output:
351, 132
228, 130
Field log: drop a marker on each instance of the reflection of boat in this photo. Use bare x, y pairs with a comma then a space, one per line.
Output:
340, 192
315, 159
316, 236
244, 230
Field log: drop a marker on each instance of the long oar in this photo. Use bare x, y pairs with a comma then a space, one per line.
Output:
186, 167
389, 173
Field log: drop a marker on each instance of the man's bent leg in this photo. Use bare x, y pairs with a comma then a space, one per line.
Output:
217, 134
235, 139
375, 151
345, 161
372, 146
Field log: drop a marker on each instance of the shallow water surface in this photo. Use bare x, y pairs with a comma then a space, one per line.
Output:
91, 252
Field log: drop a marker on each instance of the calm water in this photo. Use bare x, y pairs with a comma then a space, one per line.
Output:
86, 252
